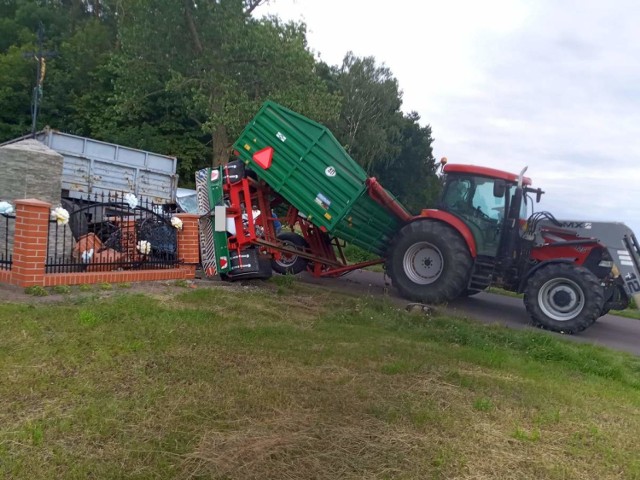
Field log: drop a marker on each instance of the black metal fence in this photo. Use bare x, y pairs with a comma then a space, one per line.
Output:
106, 233
7, 228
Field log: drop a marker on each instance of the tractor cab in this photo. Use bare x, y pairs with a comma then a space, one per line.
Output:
483, 198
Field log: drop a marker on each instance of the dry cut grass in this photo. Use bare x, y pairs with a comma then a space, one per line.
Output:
282, 381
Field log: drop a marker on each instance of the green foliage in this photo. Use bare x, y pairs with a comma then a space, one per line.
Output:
61, 289
182, 78
371, 102
284, 282
218, 62
81, 36
36, 291
355, 254
483, 404
526, 436
390, 145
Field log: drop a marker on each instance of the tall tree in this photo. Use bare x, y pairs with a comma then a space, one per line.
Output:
387, 143
412, 174
370, 107
81, 32
222, 62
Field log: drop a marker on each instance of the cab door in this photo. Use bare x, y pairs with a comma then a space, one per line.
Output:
475, 201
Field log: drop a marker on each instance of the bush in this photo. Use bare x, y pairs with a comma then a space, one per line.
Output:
356, 254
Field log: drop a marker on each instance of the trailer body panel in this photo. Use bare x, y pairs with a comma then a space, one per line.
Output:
309, 168
92, 167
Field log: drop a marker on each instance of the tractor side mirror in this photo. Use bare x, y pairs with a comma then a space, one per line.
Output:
499, 188
537, 191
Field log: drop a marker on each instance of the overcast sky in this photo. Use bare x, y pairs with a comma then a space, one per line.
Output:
552, 85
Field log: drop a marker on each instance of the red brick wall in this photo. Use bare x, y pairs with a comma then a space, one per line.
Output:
30, 252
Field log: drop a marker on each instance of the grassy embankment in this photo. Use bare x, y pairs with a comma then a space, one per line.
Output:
286, 381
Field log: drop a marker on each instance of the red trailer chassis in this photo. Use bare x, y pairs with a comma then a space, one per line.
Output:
325, 253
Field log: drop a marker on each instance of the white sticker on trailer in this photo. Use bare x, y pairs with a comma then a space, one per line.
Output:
220, 216
330, 171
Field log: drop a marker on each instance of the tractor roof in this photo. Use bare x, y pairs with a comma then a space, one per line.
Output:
485, 172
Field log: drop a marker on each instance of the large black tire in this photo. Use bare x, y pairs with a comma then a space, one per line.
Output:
290, 263
263, 272
563, 297
429, 262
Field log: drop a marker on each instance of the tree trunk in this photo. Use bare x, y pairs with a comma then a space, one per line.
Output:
220, 142
191, 25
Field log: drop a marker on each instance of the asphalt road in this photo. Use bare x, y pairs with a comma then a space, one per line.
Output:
610, 331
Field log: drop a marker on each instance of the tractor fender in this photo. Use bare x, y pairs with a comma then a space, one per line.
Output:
531, 271
452, 221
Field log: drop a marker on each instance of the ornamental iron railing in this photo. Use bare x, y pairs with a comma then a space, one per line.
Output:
108, 233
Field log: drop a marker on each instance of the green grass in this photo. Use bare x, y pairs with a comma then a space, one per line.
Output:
61, 289
241, 382
502, 291
36, 291
355, 254
629, 313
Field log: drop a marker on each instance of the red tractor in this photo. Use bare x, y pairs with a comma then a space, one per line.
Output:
481, 235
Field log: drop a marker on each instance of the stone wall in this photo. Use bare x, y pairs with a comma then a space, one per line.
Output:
30, 169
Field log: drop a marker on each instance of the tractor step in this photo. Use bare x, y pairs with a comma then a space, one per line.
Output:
482, 273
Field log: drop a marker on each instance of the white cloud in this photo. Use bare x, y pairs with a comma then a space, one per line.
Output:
508, 83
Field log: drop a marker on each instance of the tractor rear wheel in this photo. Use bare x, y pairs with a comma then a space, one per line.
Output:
563, 297
290, 263
429, 262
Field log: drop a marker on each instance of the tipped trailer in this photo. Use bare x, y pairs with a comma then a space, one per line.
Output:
291, 174
294, 197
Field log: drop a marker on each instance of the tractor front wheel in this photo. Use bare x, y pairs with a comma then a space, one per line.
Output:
429, 262
563, 297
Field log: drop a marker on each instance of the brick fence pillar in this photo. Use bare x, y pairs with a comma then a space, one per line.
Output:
30, 242
189, 240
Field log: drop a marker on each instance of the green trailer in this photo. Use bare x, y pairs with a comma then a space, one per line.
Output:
295, 165
313, 172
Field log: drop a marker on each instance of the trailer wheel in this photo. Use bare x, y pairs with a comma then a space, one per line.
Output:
563, 297
263, 272
290, 263
429, 262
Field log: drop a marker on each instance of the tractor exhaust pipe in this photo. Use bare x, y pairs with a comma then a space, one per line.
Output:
521, 177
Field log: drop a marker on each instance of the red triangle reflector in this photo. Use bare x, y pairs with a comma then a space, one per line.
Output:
263, 157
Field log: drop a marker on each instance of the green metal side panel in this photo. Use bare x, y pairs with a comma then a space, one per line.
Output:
216, 198
214, 251
368, 225
310, 169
